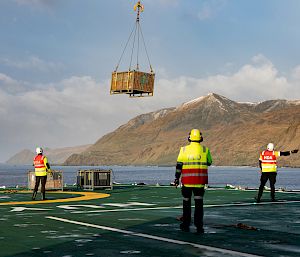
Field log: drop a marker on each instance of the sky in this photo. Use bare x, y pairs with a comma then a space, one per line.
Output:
56, 59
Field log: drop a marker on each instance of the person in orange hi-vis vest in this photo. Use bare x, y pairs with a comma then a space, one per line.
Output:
192, 165
268, 166
41, 168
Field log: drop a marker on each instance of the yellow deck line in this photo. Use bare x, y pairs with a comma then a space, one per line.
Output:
84, 197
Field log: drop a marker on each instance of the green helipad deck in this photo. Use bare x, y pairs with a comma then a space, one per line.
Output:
141, 221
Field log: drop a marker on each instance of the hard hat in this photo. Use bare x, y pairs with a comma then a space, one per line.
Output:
270, 147
39, 150
195, 135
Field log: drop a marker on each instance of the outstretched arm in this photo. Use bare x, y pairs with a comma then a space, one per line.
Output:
288, 152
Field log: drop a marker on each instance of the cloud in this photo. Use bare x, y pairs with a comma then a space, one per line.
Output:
296, 73
256, 81
32, 63
11, 85
79, 110
74, 111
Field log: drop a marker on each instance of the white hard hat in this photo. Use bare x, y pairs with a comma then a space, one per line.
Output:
39, 150
270, 147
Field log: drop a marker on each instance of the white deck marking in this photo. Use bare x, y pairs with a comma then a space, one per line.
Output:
249, 204
168, 240
128, 204
180, 206
19, 209
131, 209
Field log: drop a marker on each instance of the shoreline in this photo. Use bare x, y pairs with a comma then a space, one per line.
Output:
150, 166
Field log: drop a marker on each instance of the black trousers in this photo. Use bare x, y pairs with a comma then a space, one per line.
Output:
43, 180
265, 176
187, 209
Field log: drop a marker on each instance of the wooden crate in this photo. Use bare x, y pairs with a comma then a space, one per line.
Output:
134, 83
94, 179
54, 181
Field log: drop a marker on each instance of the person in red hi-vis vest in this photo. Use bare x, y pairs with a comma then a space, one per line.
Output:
41, 168
192, 165
268, 166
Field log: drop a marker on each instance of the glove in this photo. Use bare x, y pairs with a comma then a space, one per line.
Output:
176, 182
295, 151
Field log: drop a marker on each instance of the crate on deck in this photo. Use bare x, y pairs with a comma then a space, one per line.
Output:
94, 179
135, 83
54, 180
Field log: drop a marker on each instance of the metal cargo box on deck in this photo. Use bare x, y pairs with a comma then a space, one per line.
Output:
54, 181
94, 179
134, 83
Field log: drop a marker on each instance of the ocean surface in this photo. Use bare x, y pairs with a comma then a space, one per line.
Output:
288, 178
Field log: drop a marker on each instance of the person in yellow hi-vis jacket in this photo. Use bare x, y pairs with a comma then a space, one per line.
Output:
192, 165
268, 166
41, 167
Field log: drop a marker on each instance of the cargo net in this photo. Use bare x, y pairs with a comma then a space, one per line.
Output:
134, 82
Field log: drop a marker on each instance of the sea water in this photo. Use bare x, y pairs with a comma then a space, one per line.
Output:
288, 178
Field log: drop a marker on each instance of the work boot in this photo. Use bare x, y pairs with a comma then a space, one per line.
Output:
200, 230
184, 228
273, 196
33, 196
44, 197
180, 218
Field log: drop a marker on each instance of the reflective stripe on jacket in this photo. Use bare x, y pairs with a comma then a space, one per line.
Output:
269, 161
194, 168
40, 165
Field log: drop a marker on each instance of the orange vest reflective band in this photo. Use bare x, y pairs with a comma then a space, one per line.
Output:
268, 161
39, 165
194, 168
194, 176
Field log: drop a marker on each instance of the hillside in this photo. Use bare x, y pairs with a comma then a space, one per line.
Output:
55, 156
23, 157
235, 133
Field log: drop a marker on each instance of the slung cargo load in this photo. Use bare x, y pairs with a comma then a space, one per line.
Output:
134, 82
